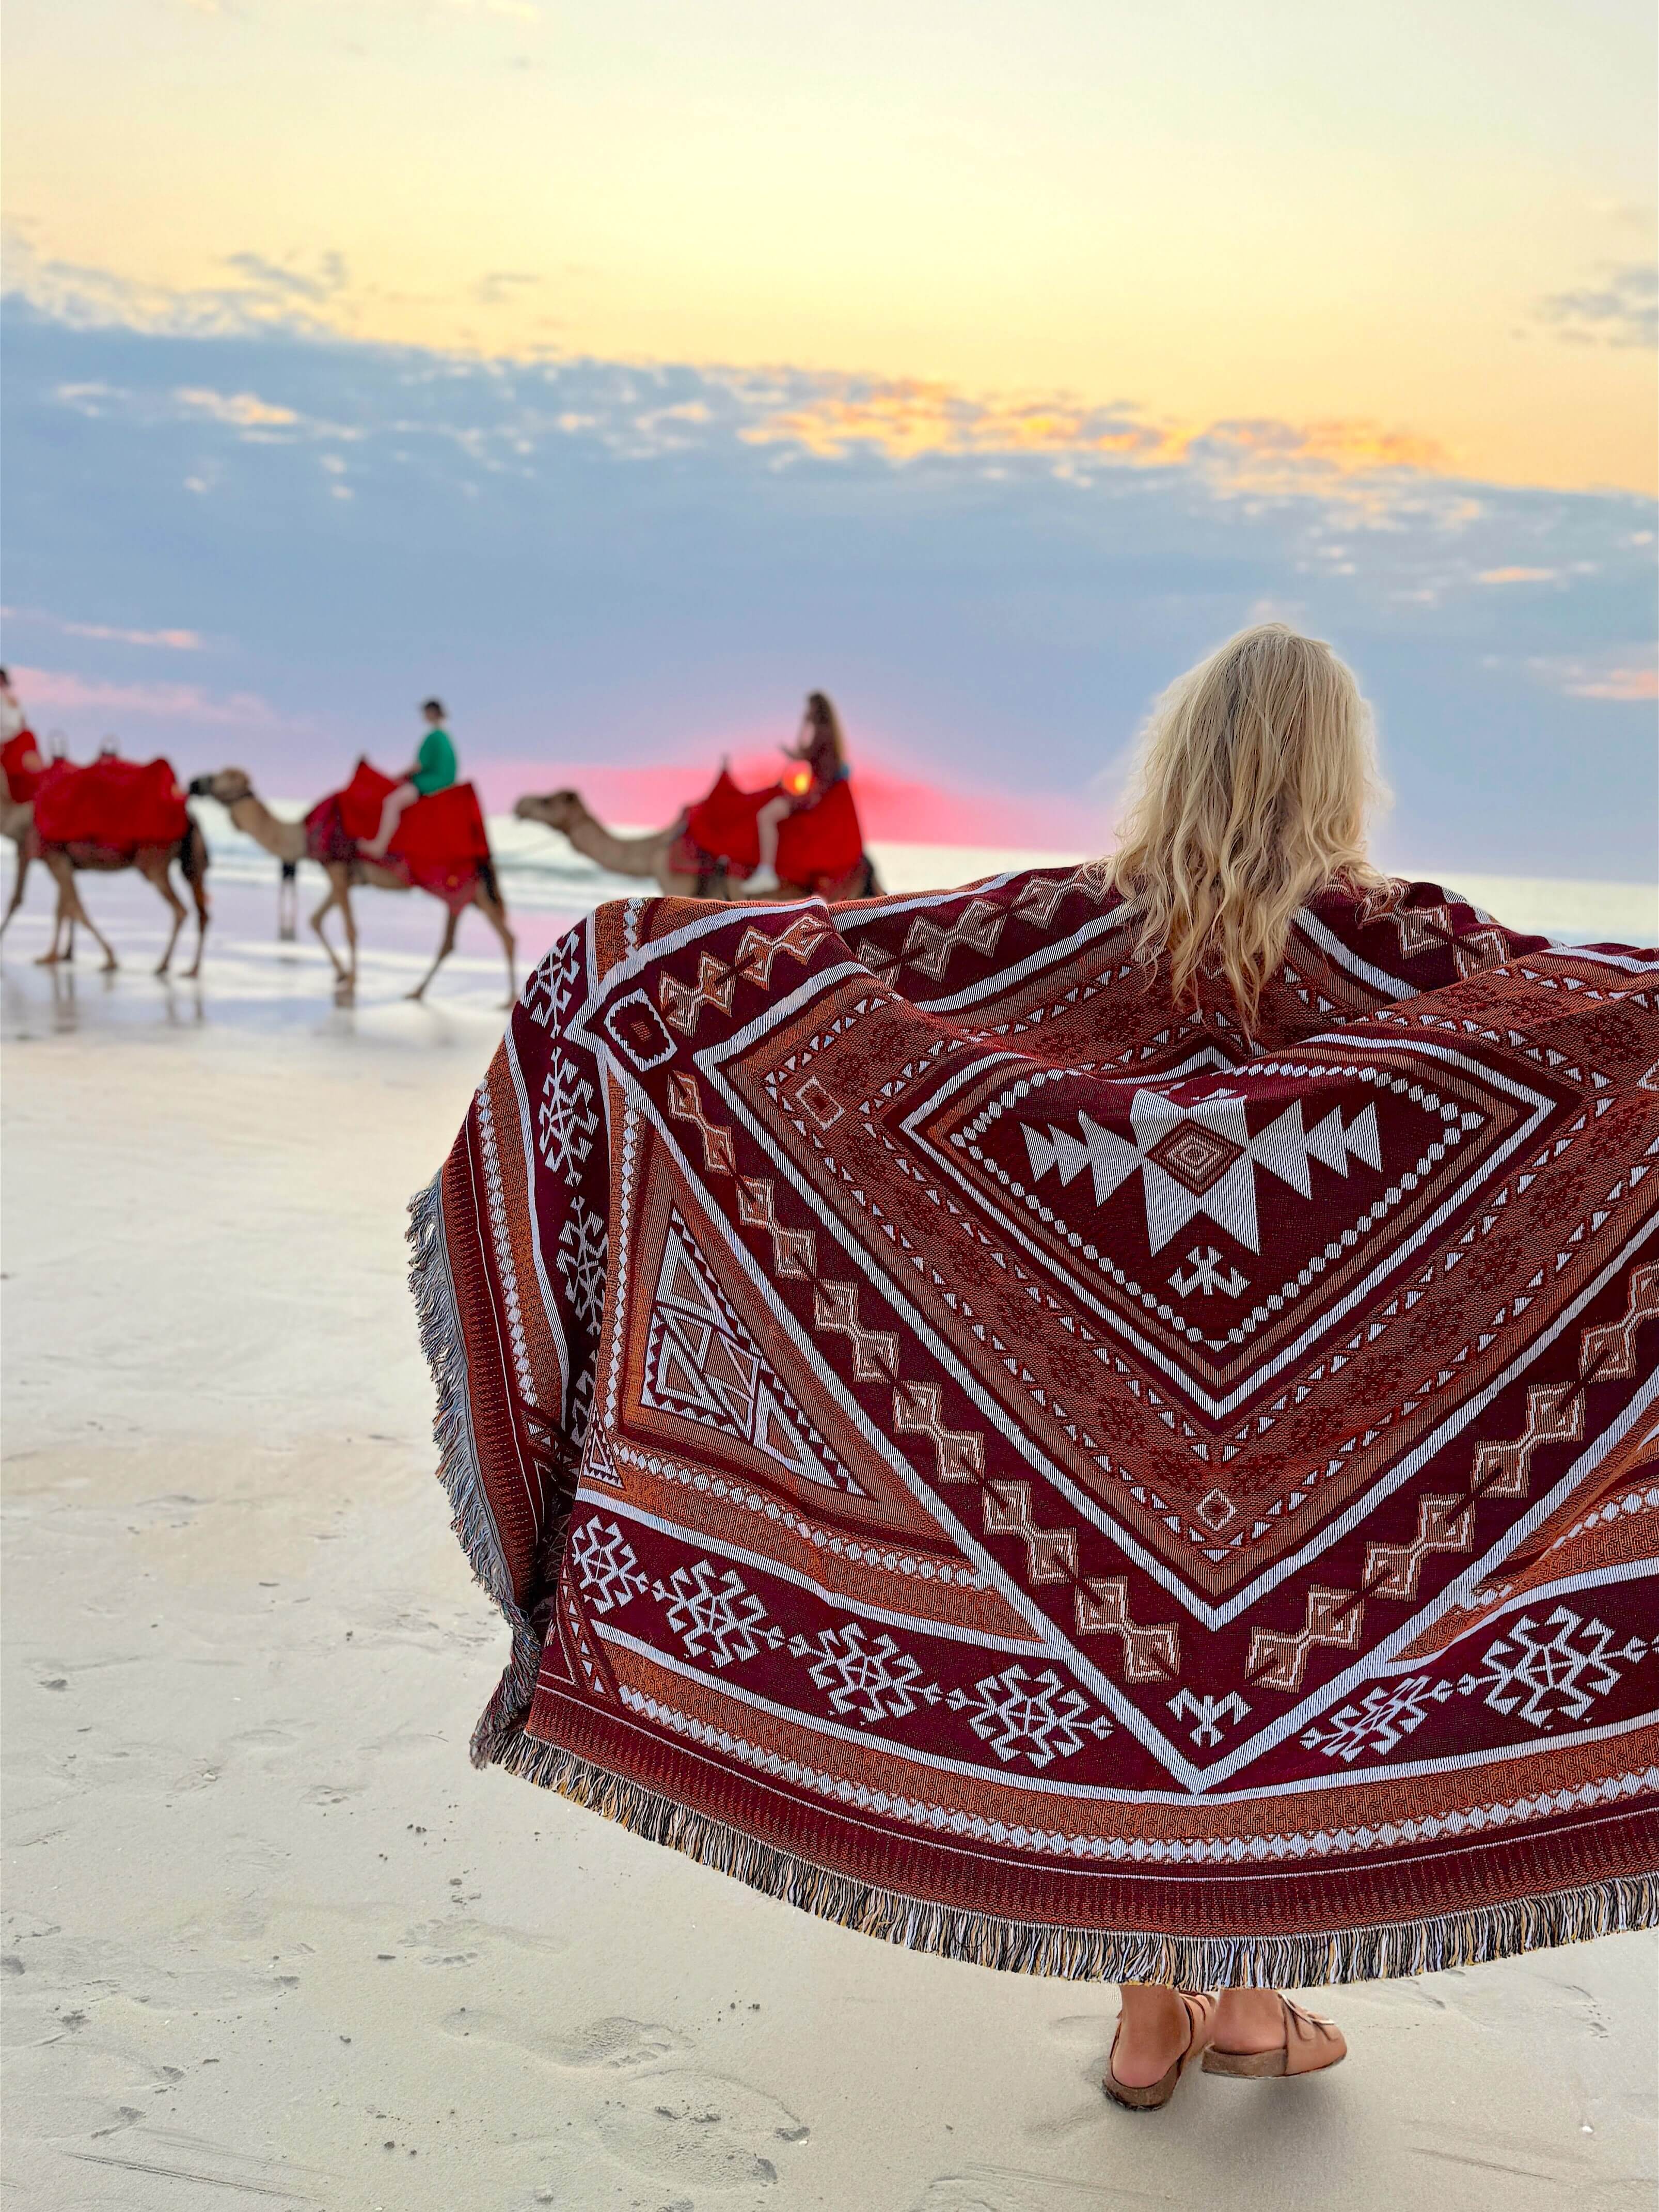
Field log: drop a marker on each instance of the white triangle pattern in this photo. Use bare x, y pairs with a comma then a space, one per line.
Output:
1283, 1150
702, 1364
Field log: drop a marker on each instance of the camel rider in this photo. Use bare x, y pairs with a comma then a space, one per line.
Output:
434, 770
822, 747
20, 764
13, 721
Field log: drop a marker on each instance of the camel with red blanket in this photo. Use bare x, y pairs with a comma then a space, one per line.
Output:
715, 844
440, 847
109, 815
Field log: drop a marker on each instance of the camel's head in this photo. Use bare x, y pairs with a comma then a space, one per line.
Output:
558, 809
230, 785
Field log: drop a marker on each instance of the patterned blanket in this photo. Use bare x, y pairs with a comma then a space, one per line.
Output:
1036, 1473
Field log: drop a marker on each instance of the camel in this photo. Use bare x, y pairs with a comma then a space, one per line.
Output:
155, 863
648, 855
290, 842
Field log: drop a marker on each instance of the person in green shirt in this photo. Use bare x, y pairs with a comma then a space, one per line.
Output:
434, 770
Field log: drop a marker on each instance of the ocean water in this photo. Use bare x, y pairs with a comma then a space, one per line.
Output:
251, 978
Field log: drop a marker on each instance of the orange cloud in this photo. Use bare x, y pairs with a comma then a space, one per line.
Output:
245, 410
1630, 681
1630, 684
1345, 446
1517, 576
907, 418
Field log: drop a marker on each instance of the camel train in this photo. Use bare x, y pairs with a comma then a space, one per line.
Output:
800, 837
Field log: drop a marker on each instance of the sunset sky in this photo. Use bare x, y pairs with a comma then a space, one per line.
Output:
986, 363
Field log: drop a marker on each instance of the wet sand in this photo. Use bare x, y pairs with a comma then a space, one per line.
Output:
268, 1939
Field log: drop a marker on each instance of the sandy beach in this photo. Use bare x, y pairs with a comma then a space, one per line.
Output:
269, 1939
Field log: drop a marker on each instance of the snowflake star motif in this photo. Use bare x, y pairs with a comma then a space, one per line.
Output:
569, 1119
1019, 1719
583, 1259
876, 1680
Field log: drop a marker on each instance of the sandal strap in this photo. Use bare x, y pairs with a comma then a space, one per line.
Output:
1200, 2005
1304, 2031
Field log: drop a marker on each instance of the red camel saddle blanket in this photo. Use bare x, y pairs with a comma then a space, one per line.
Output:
440, 843
818, 845
992, 1455
120, 805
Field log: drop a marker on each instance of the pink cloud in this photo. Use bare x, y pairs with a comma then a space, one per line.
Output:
64, 693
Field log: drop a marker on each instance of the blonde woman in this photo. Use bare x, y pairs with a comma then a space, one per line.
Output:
1226, 1277
1252, 791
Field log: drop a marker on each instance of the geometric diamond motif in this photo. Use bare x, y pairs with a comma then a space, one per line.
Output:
1196, 1156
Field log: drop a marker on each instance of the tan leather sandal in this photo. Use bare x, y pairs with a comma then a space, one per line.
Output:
1201, 2010
1307, 2035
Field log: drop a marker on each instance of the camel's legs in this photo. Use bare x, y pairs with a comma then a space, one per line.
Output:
288, 900
160, 876
16, 886
70, 911
496, 915
446, 947
197, 881
336, 897
350, 920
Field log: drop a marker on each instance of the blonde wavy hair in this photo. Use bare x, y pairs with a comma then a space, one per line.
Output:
1255, 775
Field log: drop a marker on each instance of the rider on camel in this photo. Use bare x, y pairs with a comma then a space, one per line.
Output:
822, 747
434, 770
21, 763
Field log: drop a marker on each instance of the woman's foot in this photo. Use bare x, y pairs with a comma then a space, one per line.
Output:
1262, 2033
1159, 2031
763, 883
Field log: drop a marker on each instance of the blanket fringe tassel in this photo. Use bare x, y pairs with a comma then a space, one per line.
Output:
474, 1525
1084, 1954
1375, 1953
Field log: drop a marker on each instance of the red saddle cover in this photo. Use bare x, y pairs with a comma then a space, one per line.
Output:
440, 842
120, 805
818, 848
22, 780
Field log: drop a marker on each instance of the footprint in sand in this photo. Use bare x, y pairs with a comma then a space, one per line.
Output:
1086, 2037
617, 2042
992, 2189
681, 2124
330, 1793
697, 2128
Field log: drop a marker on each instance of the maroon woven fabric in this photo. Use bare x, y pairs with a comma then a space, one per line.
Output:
1023, 1468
